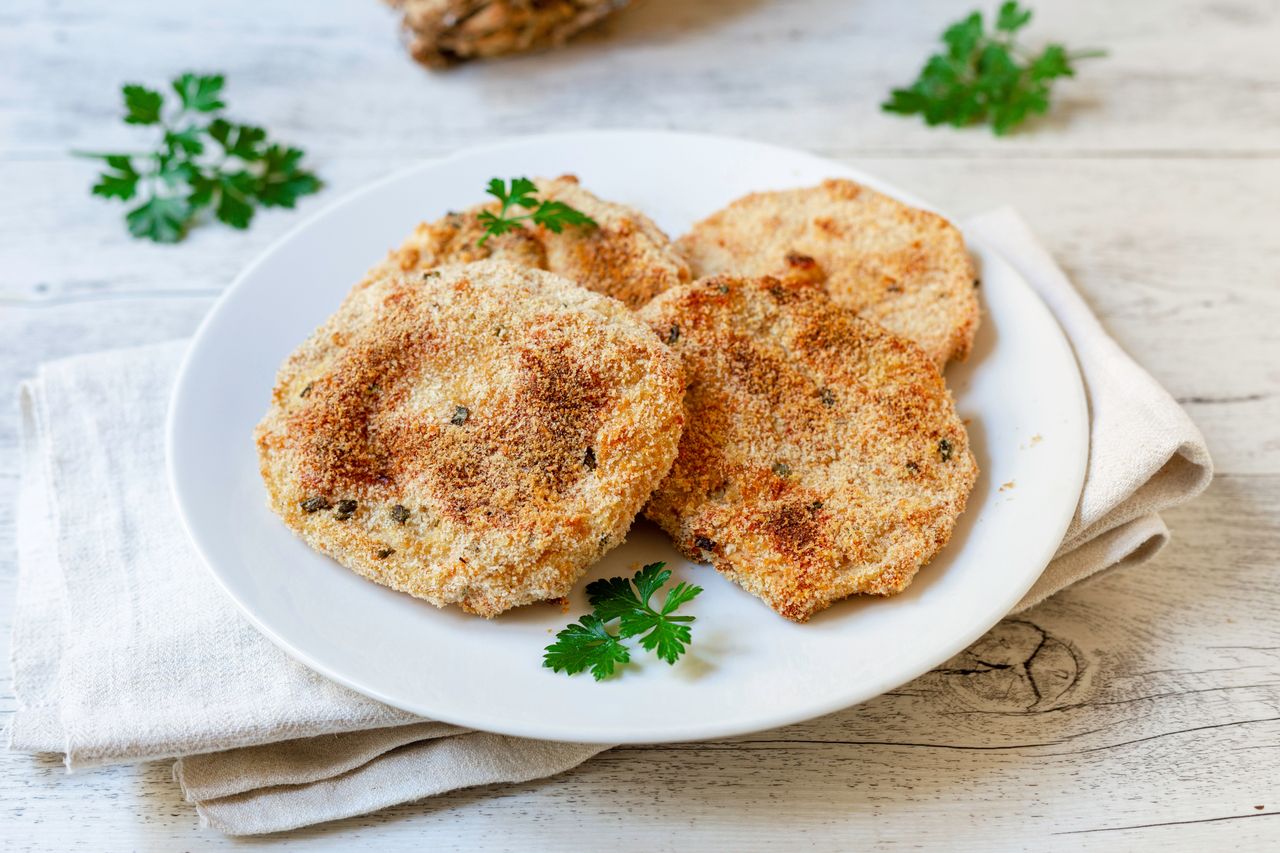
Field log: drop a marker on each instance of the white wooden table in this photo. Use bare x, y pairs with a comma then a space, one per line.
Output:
1156, 182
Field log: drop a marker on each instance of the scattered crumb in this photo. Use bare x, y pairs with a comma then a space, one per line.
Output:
563, 602
1036, 439
1259, 808
1007, 486
966, 422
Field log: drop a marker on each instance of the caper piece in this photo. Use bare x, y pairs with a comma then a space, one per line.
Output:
315, 504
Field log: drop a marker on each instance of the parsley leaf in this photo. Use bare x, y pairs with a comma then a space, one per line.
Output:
658, 630
200, 92
283, 182
613, 598
1011, 18
238, 140
586, 644
494, 226
185, 141
554, 215
201, 161
985, 77
163, 220
235, 198
142, 105
120, 182
522, 193
628, 601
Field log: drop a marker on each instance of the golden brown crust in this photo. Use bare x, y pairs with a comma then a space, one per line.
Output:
455, 239
627, 256
903, 267
478, 434
822, 456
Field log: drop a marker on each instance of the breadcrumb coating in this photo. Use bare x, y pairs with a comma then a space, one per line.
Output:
477, 434
822, 455
627, 256
903, 267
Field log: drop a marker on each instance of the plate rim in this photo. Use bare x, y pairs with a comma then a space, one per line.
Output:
518, 728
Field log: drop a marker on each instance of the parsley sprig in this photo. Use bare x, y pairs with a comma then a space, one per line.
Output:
589, 644
986, 76
200, 161
552, 215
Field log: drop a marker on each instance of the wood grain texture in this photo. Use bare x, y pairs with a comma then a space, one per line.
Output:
1139, 710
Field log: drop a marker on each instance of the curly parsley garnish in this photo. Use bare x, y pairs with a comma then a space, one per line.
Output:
986, 77
552, 215
200, 160
589, 644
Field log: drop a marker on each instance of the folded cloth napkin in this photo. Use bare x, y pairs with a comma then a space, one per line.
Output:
1145, 454
124, 649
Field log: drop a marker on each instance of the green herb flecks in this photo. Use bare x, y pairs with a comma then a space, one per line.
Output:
199, 161
552, 215
986, 77
589, 644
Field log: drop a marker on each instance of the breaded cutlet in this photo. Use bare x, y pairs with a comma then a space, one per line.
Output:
822, 455
477, 434
626, 256
903, 267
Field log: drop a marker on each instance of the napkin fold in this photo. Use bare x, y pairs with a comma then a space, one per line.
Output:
1145, 454
125, 650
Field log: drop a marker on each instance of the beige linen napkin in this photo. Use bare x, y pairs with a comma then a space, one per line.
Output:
124, 649
1145, 454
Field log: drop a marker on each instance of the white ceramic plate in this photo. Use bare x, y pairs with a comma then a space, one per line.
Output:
748, 669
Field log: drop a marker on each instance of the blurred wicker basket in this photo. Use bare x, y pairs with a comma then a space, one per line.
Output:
444, 32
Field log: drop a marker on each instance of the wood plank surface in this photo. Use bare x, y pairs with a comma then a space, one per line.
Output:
1140, 710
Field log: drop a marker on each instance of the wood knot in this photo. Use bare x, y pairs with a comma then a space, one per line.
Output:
1017, 666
